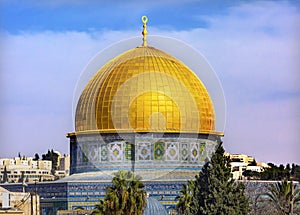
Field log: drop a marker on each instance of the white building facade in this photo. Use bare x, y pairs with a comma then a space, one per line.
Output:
21, 169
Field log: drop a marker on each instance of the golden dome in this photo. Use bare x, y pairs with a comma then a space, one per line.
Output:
145, 90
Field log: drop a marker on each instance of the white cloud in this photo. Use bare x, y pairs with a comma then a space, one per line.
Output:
254, 49
255, 52
39, 72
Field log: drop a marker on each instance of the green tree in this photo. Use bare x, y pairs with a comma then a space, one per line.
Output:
137, 201
275, 172
5, 177
284, 196
36, 157
51, 156
99, 208
251, 174
185, 199
216, 192
295, 172
257, 201
253, 163
126, 196
22, 178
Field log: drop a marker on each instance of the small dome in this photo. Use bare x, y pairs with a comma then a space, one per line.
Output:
145, 90
154, 208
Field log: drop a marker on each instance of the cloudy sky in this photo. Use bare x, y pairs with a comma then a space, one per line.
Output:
253, 47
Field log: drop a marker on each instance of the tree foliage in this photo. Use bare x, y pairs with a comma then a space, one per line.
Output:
36, 157
276, 173
295, 172
51, 156
284, 196
252, 163
185, 199
126, 196
5, 176
22, 178
215, 191
258, 203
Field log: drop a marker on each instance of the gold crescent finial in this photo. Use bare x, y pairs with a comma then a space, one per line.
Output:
144, 20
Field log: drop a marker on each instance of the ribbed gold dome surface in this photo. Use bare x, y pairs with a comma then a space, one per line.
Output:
145, 90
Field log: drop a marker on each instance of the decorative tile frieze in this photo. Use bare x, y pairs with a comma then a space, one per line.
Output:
159, 150
184, 152
116, 152
172, 152
104, 152
194, 152
129, 151
144, 151
93, 153
202, 151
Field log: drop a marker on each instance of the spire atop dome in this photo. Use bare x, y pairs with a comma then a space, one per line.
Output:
145, 20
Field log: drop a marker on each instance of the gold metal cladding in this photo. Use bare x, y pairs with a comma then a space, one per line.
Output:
150, 109
144, 33
145, 90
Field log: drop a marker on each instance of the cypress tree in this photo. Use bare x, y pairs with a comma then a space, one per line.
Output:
216, 192
5, 177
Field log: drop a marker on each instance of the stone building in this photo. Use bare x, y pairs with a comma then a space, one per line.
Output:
19, 203
20, 169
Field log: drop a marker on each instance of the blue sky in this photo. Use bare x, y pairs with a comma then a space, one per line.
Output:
94, 15
253, 47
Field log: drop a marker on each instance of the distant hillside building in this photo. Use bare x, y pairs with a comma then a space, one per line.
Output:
241, 158
64, 166
20, 169
30, 170
241, 162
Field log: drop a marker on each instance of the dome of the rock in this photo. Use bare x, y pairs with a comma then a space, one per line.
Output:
145, 90
144, 111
